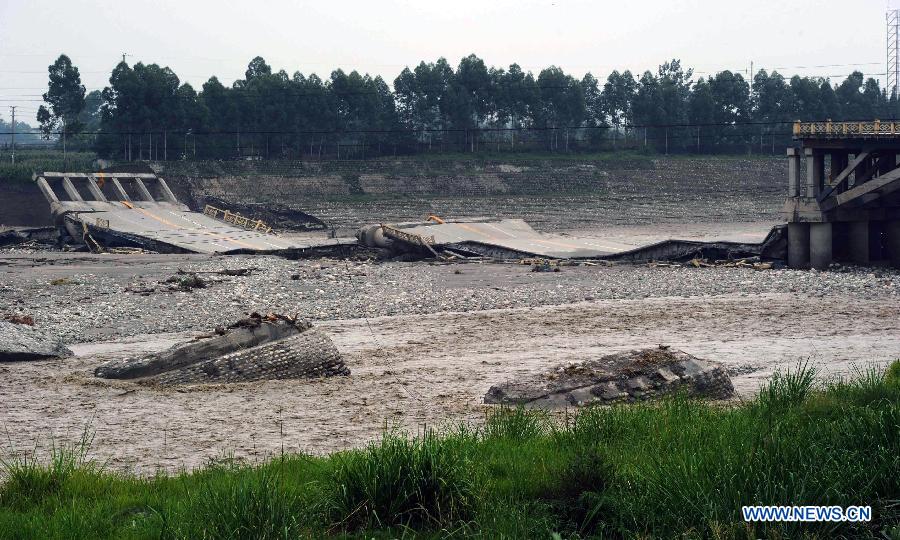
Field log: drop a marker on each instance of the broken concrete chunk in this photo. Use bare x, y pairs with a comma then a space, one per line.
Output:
608, 391
580, 397
666, 376
627, 376
637, 383
20, 342
255, 348
308, 355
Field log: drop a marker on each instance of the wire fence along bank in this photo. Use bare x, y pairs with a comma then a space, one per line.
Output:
766, 138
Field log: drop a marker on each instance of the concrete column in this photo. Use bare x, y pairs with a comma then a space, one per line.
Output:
70, 189
47, 190
888, 161
862, 171
820, 254
95, 189
815, 172
798, 245
142, 189
858, 242
793, 172
119, 189
839, 161
892, 241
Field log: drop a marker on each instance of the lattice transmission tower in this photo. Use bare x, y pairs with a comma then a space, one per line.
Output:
893, 51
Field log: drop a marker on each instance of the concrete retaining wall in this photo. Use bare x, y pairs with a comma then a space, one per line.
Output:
23, 205
299, 181
752, 186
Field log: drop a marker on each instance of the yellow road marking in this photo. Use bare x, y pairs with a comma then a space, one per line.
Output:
201, 231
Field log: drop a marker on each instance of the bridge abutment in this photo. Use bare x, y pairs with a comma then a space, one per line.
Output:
843, 199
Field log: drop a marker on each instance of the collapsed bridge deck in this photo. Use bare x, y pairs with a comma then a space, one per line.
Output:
140, 209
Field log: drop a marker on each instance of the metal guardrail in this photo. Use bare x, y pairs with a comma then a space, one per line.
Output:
840, 130
237, 219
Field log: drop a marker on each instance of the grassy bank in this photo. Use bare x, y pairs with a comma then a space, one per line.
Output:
28, 161
681, 468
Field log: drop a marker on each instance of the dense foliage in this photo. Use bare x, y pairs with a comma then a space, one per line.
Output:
679, 469
146, 112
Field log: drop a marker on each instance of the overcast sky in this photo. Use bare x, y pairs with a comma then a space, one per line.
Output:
200, 38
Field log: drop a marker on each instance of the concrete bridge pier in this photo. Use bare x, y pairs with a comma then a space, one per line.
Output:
843, 200
820, 245
892, 241
798, 245
858, 242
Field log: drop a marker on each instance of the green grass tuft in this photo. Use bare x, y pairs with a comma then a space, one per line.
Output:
679, 468
419, 482
892, 375
30, 481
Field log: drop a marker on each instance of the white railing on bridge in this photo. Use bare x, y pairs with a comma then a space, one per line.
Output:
837, 130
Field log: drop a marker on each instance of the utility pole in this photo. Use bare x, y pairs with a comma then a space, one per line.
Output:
750, 112
13, 109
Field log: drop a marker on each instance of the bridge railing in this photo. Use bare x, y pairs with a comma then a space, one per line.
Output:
838, 130
237, 219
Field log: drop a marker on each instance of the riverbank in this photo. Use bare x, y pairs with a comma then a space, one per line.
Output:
678, 468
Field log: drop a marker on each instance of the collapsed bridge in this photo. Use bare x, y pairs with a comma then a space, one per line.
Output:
139, 209
113, 209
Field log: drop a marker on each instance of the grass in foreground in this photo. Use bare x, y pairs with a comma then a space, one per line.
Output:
681, 468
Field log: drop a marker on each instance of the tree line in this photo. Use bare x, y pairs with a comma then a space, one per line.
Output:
146, 112
24, 133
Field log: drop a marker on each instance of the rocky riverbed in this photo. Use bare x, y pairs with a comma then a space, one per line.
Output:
424, 341
85, 298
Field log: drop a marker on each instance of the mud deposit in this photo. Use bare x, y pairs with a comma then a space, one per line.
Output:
423, 342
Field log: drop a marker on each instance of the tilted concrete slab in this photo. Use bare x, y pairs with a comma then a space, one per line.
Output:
190, 231
164, 224
514, 238
514, 235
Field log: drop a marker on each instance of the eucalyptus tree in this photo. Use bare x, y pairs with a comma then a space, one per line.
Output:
617, 99
65, 96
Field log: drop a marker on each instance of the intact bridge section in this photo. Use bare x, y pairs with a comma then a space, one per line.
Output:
843, 194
